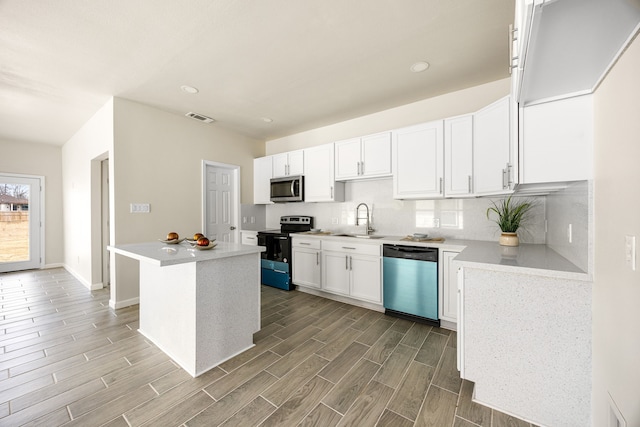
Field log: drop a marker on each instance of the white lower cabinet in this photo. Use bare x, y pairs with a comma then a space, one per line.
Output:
449, 296
335, 272
305, 255
352, 269
365, 277
249, 237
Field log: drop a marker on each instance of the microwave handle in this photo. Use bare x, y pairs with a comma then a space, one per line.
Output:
293, 186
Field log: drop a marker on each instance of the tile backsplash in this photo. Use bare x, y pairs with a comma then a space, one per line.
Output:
448, 218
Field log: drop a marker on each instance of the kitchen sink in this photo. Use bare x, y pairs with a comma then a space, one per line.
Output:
359, 236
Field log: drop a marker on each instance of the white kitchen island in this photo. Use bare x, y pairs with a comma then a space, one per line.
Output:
201, 307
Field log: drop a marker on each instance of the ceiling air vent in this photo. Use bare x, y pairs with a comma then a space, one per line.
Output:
200, 117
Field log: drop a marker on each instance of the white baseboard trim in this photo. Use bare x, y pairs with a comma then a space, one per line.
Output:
53, 265
122, 304
90, 286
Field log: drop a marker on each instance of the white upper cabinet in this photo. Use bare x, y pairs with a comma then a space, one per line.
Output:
319, 180
418, 159
290, 163
458, 156
566, 47
493, 167
366, 157
262, 174
557, 141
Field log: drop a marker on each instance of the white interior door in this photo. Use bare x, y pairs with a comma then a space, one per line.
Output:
21, 222
221, 201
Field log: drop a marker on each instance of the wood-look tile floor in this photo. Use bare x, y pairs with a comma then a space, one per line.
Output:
66, 358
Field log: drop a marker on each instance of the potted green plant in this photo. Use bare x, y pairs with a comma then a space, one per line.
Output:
511, 216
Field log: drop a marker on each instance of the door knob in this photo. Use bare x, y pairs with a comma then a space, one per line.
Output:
232, 228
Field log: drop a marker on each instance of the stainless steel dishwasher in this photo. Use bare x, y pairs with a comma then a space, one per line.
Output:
410, 282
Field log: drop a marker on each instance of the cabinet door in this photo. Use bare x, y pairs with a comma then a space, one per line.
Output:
460, 335
347, 159
280, 165
366, 283
306, 267
319, 183
296, 162
418, 162
449, 300
262, 169
557, 141
335, 272
376, 155
458, 156
492, 167
249, 238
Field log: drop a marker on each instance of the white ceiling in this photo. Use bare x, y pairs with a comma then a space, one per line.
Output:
302, 63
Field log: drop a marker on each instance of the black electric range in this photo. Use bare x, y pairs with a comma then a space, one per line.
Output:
276, 260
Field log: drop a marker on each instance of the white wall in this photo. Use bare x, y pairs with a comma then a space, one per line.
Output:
616, 316
43, 160
94, 140
440, 107
157, 159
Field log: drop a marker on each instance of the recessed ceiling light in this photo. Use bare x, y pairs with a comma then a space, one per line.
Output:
267, 120
189, 89
419, 66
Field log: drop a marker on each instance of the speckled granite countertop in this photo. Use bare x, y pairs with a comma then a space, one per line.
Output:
165, 254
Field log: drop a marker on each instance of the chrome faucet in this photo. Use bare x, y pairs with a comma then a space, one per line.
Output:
368, 228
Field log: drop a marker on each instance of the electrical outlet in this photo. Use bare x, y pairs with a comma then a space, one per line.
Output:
630, 251
334, 221
244, 219
253, 220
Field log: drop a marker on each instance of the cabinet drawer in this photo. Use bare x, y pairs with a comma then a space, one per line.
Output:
350, 246
302, 242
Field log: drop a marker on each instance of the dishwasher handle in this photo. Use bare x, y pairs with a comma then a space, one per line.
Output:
410, 252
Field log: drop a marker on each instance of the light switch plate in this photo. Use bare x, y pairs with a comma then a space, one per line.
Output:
139, 208
630, 251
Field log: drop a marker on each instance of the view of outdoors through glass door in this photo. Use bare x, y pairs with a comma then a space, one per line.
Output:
19, 223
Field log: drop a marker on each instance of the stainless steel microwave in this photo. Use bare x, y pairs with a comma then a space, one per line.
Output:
287, 189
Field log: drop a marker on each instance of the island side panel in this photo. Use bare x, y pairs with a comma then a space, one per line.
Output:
228, 308
528, 345
167, 310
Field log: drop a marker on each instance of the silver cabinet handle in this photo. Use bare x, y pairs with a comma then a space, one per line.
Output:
305, 243
249, 238
332, 192
350, 263
509, 181
346, 262
441, 185
469, 184
317, 258
504, 179
361, 168
348, 247
358, 168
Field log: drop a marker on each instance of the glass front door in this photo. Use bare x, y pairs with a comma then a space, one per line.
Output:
20, 222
